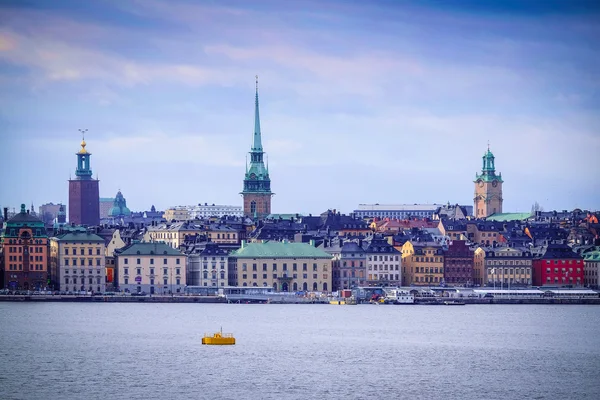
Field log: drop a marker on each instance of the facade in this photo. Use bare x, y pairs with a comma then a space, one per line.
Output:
211, 210
153, 268
25, 252
106, 203
505, 266
396, 210
558, 265
285, 266
222, 234
488, 189
383, 263
208, 267
179, 213
173, 234
592, 269
422, 263
49, 212
84, 198
348, 265
77, 262
458, 264
257, 183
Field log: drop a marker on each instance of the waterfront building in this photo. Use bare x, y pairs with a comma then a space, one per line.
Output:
207, 266
151, 268
458, 264
488, 188
348, 264
398, 211
257, 183
106, 203
115, 243
77, 261
283, 265
84, 198
383, 263
25, 251
503, 267
591, 268
211, 210
119, 208
174, 233
558, 265
422, 263
179, 213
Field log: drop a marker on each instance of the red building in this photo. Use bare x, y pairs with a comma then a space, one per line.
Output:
25, 251
84, 193
559, 265
458, 264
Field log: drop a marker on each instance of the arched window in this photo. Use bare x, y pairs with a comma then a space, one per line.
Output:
315, 286
205, 274
305, 286
245, 284
295, 287
275, 286
325, 286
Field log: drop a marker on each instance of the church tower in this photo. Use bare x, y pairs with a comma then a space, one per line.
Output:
84, 196
257, 184
488, 188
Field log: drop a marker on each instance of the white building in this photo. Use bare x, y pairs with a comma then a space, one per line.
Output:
205, 211
154, 268
384, 263
77, 261
399, 211
208, 267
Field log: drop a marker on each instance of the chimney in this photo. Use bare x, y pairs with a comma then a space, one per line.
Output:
243, 244
312, 242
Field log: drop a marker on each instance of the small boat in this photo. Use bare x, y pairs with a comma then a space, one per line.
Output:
218, 339
454, 303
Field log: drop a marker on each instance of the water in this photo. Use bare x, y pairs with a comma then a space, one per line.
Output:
153, 351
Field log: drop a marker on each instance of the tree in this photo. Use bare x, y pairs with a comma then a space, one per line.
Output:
536, 207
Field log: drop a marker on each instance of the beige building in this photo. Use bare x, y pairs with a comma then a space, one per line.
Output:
503, 267
222, 234
285, 266
173, 234
422, 263
153, 268
77, 260
488, 189
177, 214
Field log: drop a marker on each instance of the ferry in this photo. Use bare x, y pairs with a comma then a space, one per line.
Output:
218, 339
454, 303
397, 296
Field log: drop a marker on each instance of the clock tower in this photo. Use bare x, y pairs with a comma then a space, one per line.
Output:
488, 189
257, 184
84, 197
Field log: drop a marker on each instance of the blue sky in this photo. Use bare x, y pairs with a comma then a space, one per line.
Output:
361, 102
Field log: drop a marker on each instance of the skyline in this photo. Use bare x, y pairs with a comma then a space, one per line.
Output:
359, 103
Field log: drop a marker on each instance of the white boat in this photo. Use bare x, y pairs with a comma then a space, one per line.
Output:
397, 296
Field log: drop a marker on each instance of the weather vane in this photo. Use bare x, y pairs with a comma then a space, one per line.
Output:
83, 131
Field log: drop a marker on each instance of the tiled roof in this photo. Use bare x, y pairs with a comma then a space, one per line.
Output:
280, 250
82, 237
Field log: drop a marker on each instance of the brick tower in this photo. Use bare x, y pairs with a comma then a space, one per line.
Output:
84, 194
488, 189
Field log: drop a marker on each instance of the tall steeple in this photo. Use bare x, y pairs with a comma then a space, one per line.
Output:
257, 184
83, 170
257, 142
488, 188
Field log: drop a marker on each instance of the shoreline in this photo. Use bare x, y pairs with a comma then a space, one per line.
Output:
222, 300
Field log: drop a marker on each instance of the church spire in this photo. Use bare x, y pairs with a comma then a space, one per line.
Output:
257, 142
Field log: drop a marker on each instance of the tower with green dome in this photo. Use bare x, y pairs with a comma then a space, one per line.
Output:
488, 188
257, 184
119, 208
84, 192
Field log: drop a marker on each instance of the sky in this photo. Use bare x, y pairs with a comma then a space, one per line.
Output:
360, 102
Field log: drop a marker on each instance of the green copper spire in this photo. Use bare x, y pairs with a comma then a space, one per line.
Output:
488, 170
257, 143
83, 170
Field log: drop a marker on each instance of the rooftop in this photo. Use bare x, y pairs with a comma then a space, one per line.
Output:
279, 250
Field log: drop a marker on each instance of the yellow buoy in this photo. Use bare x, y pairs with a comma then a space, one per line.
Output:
218, 339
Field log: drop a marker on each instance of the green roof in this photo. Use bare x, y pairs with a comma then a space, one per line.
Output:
148, 249
279, 250
592, 256
81, 237
503, 217
283, 216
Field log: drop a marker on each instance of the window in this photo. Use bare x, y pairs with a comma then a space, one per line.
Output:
126, 281
165, 261
164, 271
165, 281
254, 267
151, 271
82, 252
98, 251
139, 271
178, 281
139, 261
67, 253
126, 271
177, 262
177, 271
126, 261
89, 262
74, 260
89, 251
244, 267
67, 262
152, 261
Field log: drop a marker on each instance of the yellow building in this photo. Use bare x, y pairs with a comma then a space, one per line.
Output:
77, 260
154, 268
503, 266
422, 263
222, 234
283, 265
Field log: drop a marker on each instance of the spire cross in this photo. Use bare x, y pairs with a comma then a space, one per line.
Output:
83, 131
